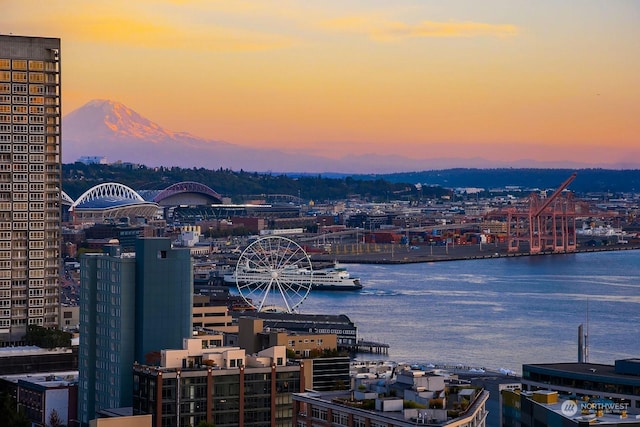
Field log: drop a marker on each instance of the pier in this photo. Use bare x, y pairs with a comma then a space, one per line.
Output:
373, 347
380, 254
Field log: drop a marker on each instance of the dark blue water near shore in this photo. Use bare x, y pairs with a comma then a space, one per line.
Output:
496, 313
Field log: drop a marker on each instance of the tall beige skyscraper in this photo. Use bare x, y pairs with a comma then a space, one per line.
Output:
30, 184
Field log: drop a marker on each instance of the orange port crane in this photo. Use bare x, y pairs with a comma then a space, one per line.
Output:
548, 224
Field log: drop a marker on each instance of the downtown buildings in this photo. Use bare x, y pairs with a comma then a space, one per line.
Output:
409, 398
132, 306
221, 385
575, 394
30, 184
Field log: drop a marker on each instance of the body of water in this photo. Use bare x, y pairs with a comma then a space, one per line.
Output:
496, 313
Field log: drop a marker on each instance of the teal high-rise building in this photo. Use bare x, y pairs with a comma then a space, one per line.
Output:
131, 306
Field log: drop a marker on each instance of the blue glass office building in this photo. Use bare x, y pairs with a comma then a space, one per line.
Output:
132, 305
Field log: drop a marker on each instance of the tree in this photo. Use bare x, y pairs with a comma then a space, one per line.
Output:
54, 419
9, 414
47, 338
339, 385
77, 178
436, 403
204, 423
153, 358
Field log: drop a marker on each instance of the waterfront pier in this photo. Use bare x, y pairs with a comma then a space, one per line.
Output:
362, 346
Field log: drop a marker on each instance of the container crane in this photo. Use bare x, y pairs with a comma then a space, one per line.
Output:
548, 224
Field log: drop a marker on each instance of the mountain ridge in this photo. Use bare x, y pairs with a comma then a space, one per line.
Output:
106, 128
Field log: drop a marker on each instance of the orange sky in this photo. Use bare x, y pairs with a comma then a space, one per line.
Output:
502, 79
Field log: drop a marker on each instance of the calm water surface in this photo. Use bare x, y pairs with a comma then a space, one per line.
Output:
496, 313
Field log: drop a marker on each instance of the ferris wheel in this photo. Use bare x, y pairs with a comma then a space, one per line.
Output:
274, 274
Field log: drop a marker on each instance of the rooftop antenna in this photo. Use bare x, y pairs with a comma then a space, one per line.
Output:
580, 343
586, 337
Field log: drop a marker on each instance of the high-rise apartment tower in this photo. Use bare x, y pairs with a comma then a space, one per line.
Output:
30, 184
132, 306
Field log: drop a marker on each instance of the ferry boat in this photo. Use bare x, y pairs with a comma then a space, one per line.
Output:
334, 278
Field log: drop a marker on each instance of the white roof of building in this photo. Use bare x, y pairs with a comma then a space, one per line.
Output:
30, 350
47, 379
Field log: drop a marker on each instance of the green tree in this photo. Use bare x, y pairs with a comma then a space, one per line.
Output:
54, 419
9, 414
47, 338
77, 178
339, 385
204, 423
413, 404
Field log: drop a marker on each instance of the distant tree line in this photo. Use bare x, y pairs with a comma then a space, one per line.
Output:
78, 178
587, 180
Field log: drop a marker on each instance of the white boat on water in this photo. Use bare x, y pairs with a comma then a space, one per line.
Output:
335, 278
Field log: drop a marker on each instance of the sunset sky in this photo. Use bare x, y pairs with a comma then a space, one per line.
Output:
503, 79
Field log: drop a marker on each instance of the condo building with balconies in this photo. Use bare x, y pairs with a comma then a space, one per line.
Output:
30, 184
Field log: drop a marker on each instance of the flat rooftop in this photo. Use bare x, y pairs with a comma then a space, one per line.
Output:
116, 412
334, 397
590, 369
30, 350
344, 398
47, 379
607, 417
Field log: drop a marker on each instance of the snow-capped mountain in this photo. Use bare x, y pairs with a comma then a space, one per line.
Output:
110, 129
108, 118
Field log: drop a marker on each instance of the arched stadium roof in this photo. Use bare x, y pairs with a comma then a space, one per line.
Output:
187, 193
66, 200
111, 200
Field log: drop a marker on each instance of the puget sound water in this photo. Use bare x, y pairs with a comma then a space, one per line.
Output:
495, 313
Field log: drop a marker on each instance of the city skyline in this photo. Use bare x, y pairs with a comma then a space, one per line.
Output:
498, 79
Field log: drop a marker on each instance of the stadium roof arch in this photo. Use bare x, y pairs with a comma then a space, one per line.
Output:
111, 201
66, 200
187, 193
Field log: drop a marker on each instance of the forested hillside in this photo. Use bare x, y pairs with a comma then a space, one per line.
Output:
241, 185
78, 177
587, 180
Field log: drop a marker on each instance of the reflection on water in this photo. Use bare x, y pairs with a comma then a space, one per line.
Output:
496, 313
